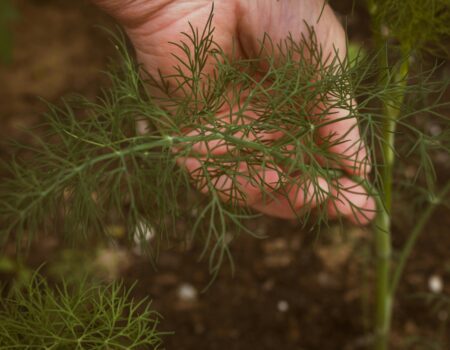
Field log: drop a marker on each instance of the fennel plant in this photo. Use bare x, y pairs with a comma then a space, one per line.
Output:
404, 30
76, 316
93, 162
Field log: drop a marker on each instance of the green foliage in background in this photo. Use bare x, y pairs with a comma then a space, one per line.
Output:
7, 14
76, 316
422, 25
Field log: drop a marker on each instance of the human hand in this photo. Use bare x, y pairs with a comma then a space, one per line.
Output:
153, 24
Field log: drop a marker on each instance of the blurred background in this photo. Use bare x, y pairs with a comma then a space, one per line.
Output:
294, 290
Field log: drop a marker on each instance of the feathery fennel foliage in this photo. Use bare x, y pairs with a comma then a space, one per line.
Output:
92, 165
76, 316
419, 25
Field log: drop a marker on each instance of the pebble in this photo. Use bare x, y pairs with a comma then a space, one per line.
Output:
435, 284
143, 234
283, 306
187, 292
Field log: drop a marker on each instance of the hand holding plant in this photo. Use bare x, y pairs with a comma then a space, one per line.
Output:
241, 29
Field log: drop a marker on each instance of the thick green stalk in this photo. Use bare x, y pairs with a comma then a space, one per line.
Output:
383, 301
383, 308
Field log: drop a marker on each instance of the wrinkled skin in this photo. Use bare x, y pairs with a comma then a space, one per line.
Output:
152, 24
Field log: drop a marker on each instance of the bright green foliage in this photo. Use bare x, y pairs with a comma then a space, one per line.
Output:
78, 316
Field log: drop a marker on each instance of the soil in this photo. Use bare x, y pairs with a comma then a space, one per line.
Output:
297, 289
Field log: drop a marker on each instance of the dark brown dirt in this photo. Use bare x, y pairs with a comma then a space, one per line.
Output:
294, 290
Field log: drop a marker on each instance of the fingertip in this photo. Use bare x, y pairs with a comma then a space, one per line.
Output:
191, 164
257, 186
342, 135
311, 193
366, 214
350, 200
195, 169
358, 163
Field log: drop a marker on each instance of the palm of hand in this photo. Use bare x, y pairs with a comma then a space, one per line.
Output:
152, 25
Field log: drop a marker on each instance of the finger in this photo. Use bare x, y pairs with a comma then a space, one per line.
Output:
341, 133
293, 199
366, 214
350, 200
242, 186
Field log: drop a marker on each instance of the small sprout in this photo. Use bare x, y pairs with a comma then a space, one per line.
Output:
76, 315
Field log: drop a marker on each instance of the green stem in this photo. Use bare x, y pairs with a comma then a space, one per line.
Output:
383, 295
412, 239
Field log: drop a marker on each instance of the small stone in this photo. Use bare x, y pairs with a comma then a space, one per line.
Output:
187, 292
435, 284
283, 306
143, 234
